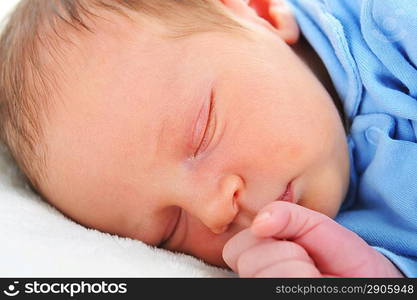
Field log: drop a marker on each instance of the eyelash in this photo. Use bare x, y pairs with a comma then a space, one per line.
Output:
203, 141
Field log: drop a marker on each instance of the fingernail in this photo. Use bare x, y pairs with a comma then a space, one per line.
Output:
263, 217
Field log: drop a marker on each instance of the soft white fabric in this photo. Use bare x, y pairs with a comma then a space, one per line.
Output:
36, 240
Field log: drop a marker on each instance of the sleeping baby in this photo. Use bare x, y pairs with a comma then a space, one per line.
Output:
220, 128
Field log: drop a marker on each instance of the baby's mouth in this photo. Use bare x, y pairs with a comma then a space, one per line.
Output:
245, 218
288, 194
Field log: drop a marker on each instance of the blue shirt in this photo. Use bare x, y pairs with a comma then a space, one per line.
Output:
369, 48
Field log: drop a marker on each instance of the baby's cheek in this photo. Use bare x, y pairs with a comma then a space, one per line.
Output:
209, 247
288, 156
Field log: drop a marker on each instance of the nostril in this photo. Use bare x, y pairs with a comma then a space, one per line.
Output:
221, 230
235, 198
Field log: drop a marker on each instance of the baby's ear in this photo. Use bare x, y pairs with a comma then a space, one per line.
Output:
274, 15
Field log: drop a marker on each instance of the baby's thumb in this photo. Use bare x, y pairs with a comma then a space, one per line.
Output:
334, 249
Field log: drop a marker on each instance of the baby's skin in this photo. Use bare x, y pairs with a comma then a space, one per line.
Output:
288, 240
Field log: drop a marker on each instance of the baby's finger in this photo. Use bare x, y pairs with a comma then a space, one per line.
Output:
240, 242
254, 260
334, 249
290, 269
282, 220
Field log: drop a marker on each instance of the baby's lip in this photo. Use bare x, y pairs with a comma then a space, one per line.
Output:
244, 218
288, 194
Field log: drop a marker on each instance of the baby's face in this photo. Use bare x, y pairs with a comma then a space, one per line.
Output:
184, 141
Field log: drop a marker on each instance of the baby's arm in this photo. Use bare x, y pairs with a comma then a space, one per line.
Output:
295, 241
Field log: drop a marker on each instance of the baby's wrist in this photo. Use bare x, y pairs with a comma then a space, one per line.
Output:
387, 268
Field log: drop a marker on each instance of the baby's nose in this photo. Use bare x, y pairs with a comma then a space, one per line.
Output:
221, 229
218, 210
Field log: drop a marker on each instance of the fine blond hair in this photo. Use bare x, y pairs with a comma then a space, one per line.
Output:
34, 33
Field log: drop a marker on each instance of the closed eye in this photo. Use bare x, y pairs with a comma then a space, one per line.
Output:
209, 129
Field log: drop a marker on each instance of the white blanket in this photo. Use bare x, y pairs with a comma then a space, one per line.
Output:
36, 240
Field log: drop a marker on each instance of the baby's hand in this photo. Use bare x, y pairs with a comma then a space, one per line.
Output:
288, 240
